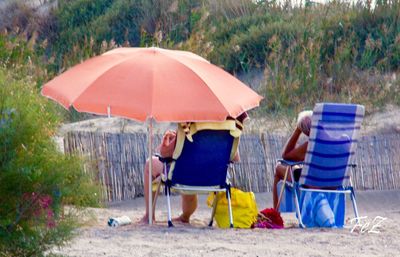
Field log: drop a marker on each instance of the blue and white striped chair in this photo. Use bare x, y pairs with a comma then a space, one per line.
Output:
318, 196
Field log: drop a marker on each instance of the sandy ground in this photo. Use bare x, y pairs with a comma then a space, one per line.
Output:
196, 239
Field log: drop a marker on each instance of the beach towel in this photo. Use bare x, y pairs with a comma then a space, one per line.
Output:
322, 209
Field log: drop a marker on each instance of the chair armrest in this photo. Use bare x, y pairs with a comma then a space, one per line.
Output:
289, 163
164, 159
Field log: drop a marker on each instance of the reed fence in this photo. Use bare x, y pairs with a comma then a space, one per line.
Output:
118, 161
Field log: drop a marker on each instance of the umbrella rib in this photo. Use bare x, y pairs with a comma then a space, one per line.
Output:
195, 73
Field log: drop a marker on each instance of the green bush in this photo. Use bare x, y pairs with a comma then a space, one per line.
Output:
37, 180
309, 54
82, 27
13, 51
372, 32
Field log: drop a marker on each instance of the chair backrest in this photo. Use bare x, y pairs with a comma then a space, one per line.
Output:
332, 144
204, 161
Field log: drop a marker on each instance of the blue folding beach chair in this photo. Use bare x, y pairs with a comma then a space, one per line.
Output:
201, 160
319, 195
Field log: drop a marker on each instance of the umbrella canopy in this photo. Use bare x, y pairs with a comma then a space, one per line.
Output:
166, 85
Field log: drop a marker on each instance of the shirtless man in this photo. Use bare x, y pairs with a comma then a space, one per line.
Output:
292, 151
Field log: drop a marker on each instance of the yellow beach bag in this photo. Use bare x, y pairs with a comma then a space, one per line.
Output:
244, 208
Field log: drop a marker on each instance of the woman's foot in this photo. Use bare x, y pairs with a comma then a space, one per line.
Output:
182, 219
145, 220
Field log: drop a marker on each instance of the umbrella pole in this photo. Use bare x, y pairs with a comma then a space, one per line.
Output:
150, 144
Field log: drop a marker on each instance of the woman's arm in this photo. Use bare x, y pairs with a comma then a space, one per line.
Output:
291, 152
168, 143
236, 157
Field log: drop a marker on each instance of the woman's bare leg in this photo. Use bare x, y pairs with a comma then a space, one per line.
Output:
189, 206
157, 170
279, 175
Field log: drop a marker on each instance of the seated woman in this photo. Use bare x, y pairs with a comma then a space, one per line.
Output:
293, 152
166, 149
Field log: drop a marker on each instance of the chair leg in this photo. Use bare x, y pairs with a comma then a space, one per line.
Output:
354, 202
214, 205
288, 169
228, 195
296, 200
168, 192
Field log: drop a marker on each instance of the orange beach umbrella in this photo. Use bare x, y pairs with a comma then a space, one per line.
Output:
141, 83
154, 84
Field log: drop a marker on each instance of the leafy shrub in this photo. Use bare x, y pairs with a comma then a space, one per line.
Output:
310, 53
230, 9
37, 180
18, 16
83, 26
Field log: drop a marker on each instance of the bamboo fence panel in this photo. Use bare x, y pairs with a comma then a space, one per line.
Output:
250, 173
378, 162
89, 146
273, 146
119, 161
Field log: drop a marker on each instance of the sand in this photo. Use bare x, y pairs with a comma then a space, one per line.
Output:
196, 239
